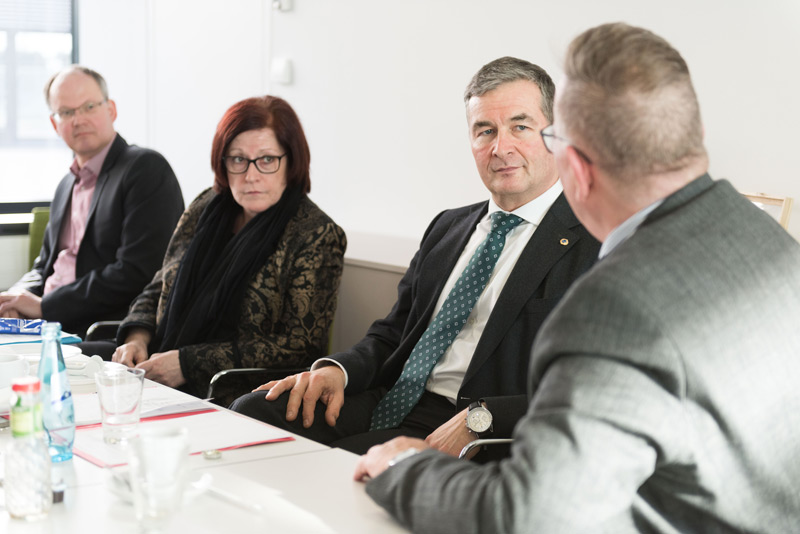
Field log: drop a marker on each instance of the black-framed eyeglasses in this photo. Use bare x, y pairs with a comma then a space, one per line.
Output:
549, 137
86, 109
264, 164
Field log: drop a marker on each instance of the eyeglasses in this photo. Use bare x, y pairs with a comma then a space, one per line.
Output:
86, 109
264, 164
549, 137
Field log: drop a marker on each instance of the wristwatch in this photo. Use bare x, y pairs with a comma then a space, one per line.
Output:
479, 419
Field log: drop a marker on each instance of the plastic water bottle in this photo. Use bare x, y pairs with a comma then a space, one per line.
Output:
57, 403
27, 480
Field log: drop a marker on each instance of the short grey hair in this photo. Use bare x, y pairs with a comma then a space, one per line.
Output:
101, 82
510, 69
630, 98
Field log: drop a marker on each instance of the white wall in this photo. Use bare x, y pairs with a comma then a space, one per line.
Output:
174, 67
378, 86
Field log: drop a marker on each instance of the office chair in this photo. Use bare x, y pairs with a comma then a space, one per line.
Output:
263, 375
108, 330
36, 229
483, 442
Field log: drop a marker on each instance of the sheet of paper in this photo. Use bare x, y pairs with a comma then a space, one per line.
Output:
219, 430
156, 401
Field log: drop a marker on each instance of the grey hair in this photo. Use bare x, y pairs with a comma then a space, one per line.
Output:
629, 97
510, 69
101, 82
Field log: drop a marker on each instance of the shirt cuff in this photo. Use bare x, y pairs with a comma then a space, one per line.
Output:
325, 362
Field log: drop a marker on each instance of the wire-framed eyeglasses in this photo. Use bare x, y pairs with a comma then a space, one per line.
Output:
549, 137
87, 108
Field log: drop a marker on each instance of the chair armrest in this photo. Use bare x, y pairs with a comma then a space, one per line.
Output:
103, 330
481, 442
269, 373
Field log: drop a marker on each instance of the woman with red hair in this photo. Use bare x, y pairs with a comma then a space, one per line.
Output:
251, 274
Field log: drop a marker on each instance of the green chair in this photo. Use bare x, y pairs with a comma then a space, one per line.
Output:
36, 229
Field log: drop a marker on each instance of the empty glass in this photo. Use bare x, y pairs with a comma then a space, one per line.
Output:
119, 391
158, 459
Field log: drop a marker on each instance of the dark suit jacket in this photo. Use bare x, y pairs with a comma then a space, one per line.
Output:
135, 206
499, 367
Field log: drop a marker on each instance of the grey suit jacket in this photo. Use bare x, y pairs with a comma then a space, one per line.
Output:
664, 393
136, 203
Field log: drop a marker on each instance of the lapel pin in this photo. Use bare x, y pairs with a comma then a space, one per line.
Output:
564, 241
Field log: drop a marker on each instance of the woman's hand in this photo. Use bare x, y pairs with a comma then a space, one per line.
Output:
164, 368
134, 351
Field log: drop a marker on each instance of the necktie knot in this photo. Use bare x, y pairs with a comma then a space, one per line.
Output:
503, 222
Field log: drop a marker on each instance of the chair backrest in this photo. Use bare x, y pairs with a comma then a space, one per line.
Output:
778, 207
41, 216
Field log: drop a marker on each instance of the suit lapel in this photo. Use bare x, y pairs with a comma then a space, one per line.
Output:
102, 179
57, 212
544, 250
442, 258
436, 268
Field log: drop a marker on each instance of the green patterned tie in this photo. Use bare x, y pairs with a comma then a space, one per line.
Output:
404, 395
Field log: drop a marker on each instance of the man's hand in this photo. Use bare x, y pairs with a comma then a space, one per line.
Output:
452, 436
134, 351
325, 384
164, 368
23, 305
376, 461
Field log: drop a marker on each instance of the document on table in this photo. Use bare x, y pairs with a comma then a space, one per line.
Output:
157, 401
220, 430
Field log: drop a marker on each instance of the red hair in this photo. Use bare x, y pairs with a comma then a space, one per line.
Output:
254, 114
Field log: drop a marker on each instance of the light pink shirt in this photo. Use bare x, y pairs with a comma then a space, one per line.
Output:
73, 227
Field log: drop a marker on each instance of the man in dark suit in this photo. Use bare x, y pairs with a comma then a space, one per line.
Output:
663, 388
110, 220
483, 371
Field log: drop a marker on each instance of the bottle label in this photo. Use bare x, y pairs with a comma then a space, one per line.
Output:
26, 420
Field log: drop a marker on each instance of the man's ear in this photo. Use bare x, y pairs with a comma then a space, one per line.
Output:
112, 109
55, 125
582, 173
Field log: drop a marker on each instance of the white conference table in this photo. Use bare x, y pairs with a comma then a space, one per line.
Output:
302, 486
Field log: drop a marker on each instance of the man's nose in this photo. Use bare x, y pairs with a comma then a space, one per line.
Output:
79, 117
503, 144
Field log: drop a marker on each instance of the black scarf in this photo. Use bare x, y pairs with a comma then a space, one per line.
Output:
205, 302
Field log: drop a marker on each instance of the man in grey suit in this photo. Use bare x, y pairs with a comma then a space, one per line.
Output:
663, 388
483, 371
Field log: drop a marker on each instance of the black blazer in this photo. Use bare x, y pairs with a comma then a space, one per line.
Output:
135, 206
499, 367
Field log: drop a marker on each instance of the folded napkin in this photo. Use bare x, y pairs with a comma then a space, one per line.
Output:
21, 326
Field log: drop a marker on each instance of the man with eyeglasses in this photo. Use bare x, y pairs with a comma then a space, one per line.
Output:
449, 362
663, 389
110, 220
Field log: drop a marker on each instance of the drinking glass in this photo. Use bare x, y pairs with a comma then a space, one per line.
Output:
120, 393
157, 459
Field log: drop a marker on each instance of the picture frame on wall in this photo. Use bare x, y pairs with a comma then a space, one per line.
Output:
779, 208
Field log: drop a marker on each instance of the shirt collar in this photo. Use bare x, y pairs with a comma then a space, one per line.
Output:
621, 233
93, 166
535, 210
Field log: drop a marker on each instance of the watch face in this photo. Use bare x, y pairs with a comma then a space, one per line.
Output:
479, 420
